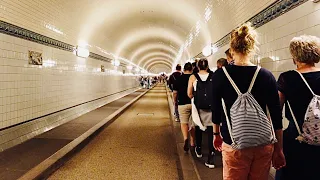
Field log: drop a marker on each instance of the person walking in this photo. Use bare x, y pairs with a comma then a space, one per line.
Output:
200, 87
195, 68
172, 79
222, 62
181, 98
243, 94
229, 57
300, 91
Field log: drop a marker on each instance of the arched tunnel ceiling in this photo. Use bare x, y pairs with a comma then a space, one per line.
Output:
143, 31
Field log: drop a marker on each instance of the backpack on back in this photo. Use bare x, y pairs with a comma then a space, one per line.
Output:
249, 126
203, 93
311, 124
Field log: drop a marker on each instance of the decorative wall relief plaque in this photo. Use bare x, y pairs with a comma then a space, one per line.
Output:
35, 58
102, 68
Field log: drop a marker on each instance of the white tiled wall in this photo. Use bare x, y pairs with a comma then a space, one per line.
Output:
44, 17
64, 80
275, 36
228, 14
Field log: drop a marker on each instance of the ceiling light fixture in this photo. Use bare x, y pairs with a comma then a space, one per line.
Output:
118, 58
207, 50
115, 62
82, 52
129, 67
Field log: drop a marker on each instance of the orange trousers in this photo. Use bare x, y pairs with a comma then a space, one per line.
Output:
247, 164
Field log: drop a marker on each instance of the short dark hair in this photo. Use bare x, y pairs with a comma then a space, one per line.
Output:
188, 66
178, 67
228, 53
222, 61
203, 64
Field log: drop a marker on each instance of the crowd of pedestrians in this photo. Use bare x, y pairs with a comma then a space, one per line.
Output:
147, 81
240, 107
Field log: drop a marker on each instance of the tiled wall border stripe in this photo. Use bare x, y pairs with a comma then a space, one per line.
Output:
102, 58
23, 33
33, 119
16, 31
99, 57
271, 12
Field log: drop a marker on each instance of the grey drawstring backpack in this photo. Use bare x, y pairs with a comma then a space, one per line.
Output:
311, 124
248, 125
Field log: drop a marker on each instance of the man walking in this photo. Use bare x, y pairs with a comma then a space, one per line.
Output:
180, 97
172, 79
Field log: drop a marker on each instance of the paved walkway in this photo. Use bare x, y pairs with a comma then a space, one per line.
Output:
139, 144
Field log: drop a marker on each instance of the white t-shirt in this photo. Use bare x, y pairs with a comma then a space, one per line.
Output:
203, 77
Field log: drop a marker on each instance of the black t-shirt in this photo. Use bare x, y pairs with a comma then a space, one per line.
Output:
181, 86
298, 94
173, 78
264, 91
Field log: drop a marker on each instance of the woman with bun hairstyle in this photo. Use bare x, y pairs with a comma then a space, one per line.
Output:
253, 162
302, 158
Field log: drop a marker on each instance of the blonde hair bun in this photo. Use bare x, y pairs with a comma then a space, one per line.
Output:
243, 31
244, 39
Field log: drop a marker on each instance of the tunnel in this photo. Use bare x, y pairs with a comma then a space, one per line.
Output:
73, 98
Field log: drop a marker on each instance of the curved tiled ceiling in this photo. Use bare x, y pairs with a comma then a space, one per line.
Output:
154, 34
141, 30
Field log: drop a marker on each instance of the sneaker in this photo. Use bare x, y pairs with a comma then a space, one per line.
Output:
177, 120
209, 163
186, 145
198, 152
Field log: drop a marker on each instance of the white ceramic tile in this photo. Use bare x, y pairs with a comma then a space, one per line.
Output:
63, 81
301, 20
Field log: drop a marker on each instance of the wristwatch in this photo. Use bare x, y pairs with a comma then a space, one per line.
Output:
218, 133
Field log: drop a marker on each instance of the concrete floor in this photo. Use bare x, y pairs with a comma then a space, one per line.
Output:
137, 145
203, 171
